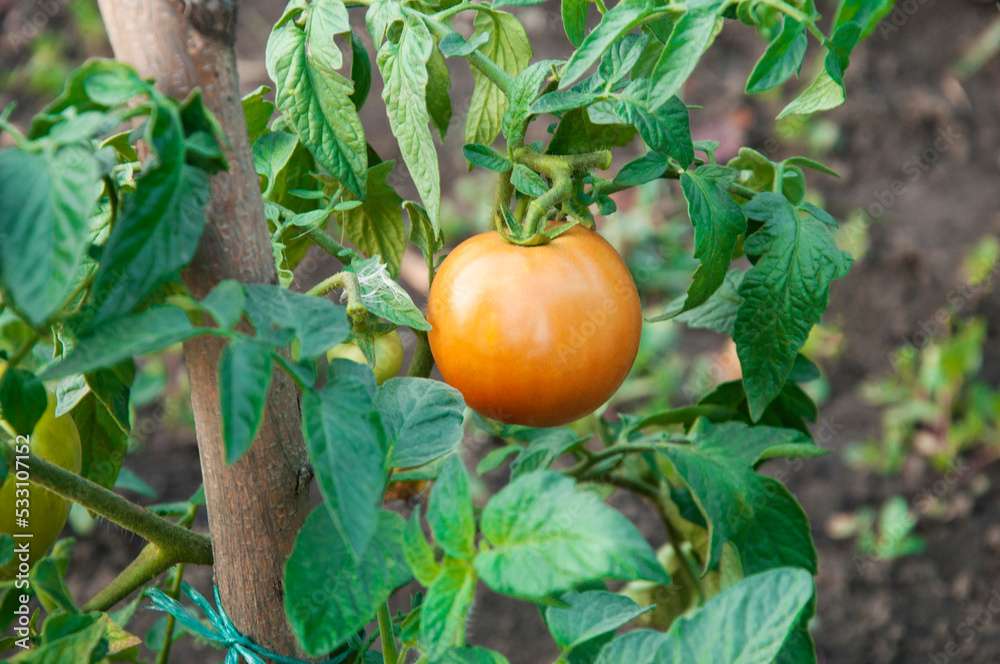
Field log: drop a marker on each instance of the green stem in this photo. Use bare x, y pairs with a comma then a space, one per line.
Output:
423, 360
538, 209
389, 652
552, 165
150, 563
23, 351
174, 592
501, 200
486, 67
349, 282
676, 543
322, 239
172, 541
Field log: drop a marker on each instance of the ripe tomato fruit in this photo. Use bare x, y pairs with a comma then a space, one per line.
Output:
56, 440
388, 355
538, 336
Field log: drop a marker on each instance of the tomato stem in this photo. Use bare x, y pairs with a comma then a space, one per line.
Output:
349, 282
389, 652
423, 360
174, 592
476, 58
173, 543
150, 563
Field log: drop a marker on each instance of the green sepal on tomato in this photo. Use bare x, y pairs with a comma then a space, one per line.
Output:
56, 440
534, 335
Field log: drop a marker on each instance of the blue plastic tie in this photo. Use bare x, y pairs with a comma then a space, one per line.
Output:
222, 630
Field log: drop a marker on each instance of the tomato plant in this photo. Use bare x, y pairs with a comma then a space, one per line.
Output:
542, 360
139, 211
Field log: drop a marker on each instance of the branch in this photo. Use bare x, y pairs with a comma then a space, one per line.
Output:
486, 67
177, 543
151, 562
349, 282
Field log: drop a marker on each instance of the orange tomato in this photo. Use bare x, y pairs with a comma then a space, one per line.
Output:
538, 336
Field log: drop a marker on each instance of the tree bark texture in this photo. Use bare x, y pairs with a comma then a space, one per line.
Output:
256, 506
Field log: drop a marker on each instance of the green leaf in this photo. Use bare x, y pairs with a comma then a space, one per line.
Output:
316, 322
665, 129
495, 458
782, 58
486, 157
784, 293
618, 20
103, 443
691, 35
790, 409
645, 169
438, 99
528, 182
472, 656
753, 512
224, 302
111, 386
755, 615
271, 154
324, 19
258, 112
69, 392
544, 447
824, 93
523, 91
588, 615
158, 227
509, 48
404, 69
46, 580
376, 226
574, 15
546, 537
756, 171
717, 313
450, 510
384, 297
844, 39
329, 592
316, 101
348, 448
23, 400
454, 45
444, 610
361, 72
866, 13
80, 646
619, 60
559, 101
516, 3
718, 224
129, 481
122, 338
419, 555
45, 200
576, 133
244, 379
422, 417
806, 162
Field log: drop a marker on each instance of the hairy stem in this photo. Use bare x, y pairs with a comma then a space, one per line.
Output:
423, 360
150, 563
177, 544
389, 652
349, 282
676, 543
322, 239
483, 64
